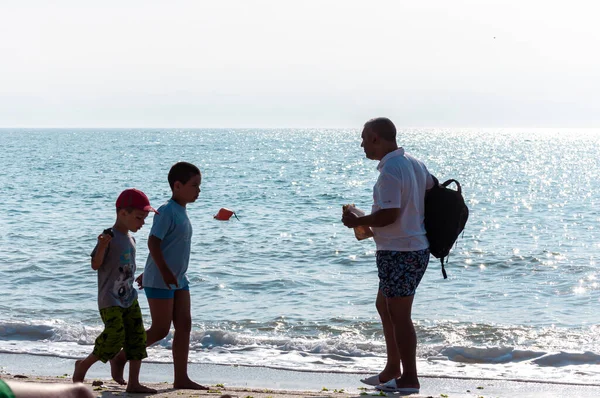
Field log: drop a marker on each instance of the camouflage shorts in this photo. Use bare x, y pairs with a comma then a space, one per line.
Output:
123, 328
400, 272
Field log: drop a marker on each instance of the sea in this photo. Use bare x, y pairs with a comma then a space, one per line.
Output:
285, 285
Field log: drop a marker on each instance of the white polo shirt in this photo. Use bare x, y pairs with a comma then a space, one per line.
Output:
402, 183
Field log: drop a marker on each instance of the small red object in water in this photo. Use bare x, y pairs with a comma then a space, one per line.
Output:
224, 214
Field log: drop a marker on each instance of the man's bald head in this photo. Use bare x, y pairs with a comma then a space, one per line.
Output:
382, 127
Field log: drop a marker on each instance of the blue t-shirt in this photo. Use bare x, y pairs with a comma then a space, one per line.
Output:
172, 226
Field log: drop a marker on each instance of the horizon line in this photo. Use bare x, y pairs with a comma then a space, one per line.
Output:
292, 127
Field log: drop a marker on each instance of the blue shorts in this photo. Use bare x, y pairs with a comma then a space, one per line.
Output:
401, 272
155, 293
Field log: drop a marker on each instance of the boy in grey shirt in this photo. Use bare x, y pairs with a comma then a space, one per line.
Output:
114, 259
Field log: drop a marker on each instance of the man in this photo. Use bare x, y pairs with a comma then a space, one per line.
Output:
396, 220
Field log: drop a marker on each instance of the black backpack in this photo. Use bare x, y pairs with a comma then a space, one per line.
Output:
445, 217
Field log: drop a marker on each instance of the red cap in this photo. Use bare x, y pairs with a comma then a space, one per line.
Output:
134, 198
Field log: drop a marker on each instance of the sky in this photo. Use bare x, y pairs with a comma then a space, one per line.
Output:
309, 63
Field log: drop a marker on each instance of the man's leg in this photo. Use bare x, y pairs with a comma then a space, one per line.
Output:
392, 367
400, 309
403, 271
161, 312
182, 320
386, 266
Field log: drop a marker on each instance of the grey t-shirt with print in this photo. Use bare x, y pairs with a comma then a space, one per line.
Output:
116, 274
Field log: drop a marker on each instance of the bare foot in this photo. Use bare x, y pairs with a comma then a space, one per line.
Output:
117, 367
189, 385
140, 389
78, 373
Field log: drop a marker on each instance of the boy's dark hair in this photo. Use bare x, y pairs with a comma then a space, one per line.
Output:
383, 127
182, 172
128, 209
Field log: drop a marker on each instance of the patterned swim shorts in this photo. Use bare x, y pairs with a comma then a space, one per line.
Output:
401, 272
123, 328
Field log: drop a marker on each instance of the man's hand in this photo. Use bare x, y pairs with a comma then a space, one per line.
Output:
140, 281
169, 277
350, 220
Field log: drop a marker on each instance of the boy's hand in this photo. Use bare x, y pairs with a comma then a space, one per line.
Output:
104, 240
169, 277
140, 281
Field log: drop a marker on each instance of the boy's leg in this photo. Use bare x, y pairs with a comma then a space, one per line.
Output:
117, 367
134, 385
182, 320
135, 347
82, 366
107, 345
161, 313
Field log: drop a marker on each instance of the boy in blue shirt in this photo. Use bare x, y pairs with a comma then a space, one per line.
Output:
164, 279
114, 259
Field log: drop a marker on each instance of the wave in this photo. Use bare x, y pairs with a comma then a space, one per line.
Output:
490, 355
26, 331
495, 355
439, 342
445, 350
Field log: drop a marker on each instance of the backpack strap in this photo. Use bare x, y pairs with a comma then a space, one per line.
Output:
459, 189
436, 184
443, 269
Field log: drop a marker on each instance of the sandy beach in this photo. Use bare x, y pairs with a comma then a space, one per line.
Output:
432, 388
258, 382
